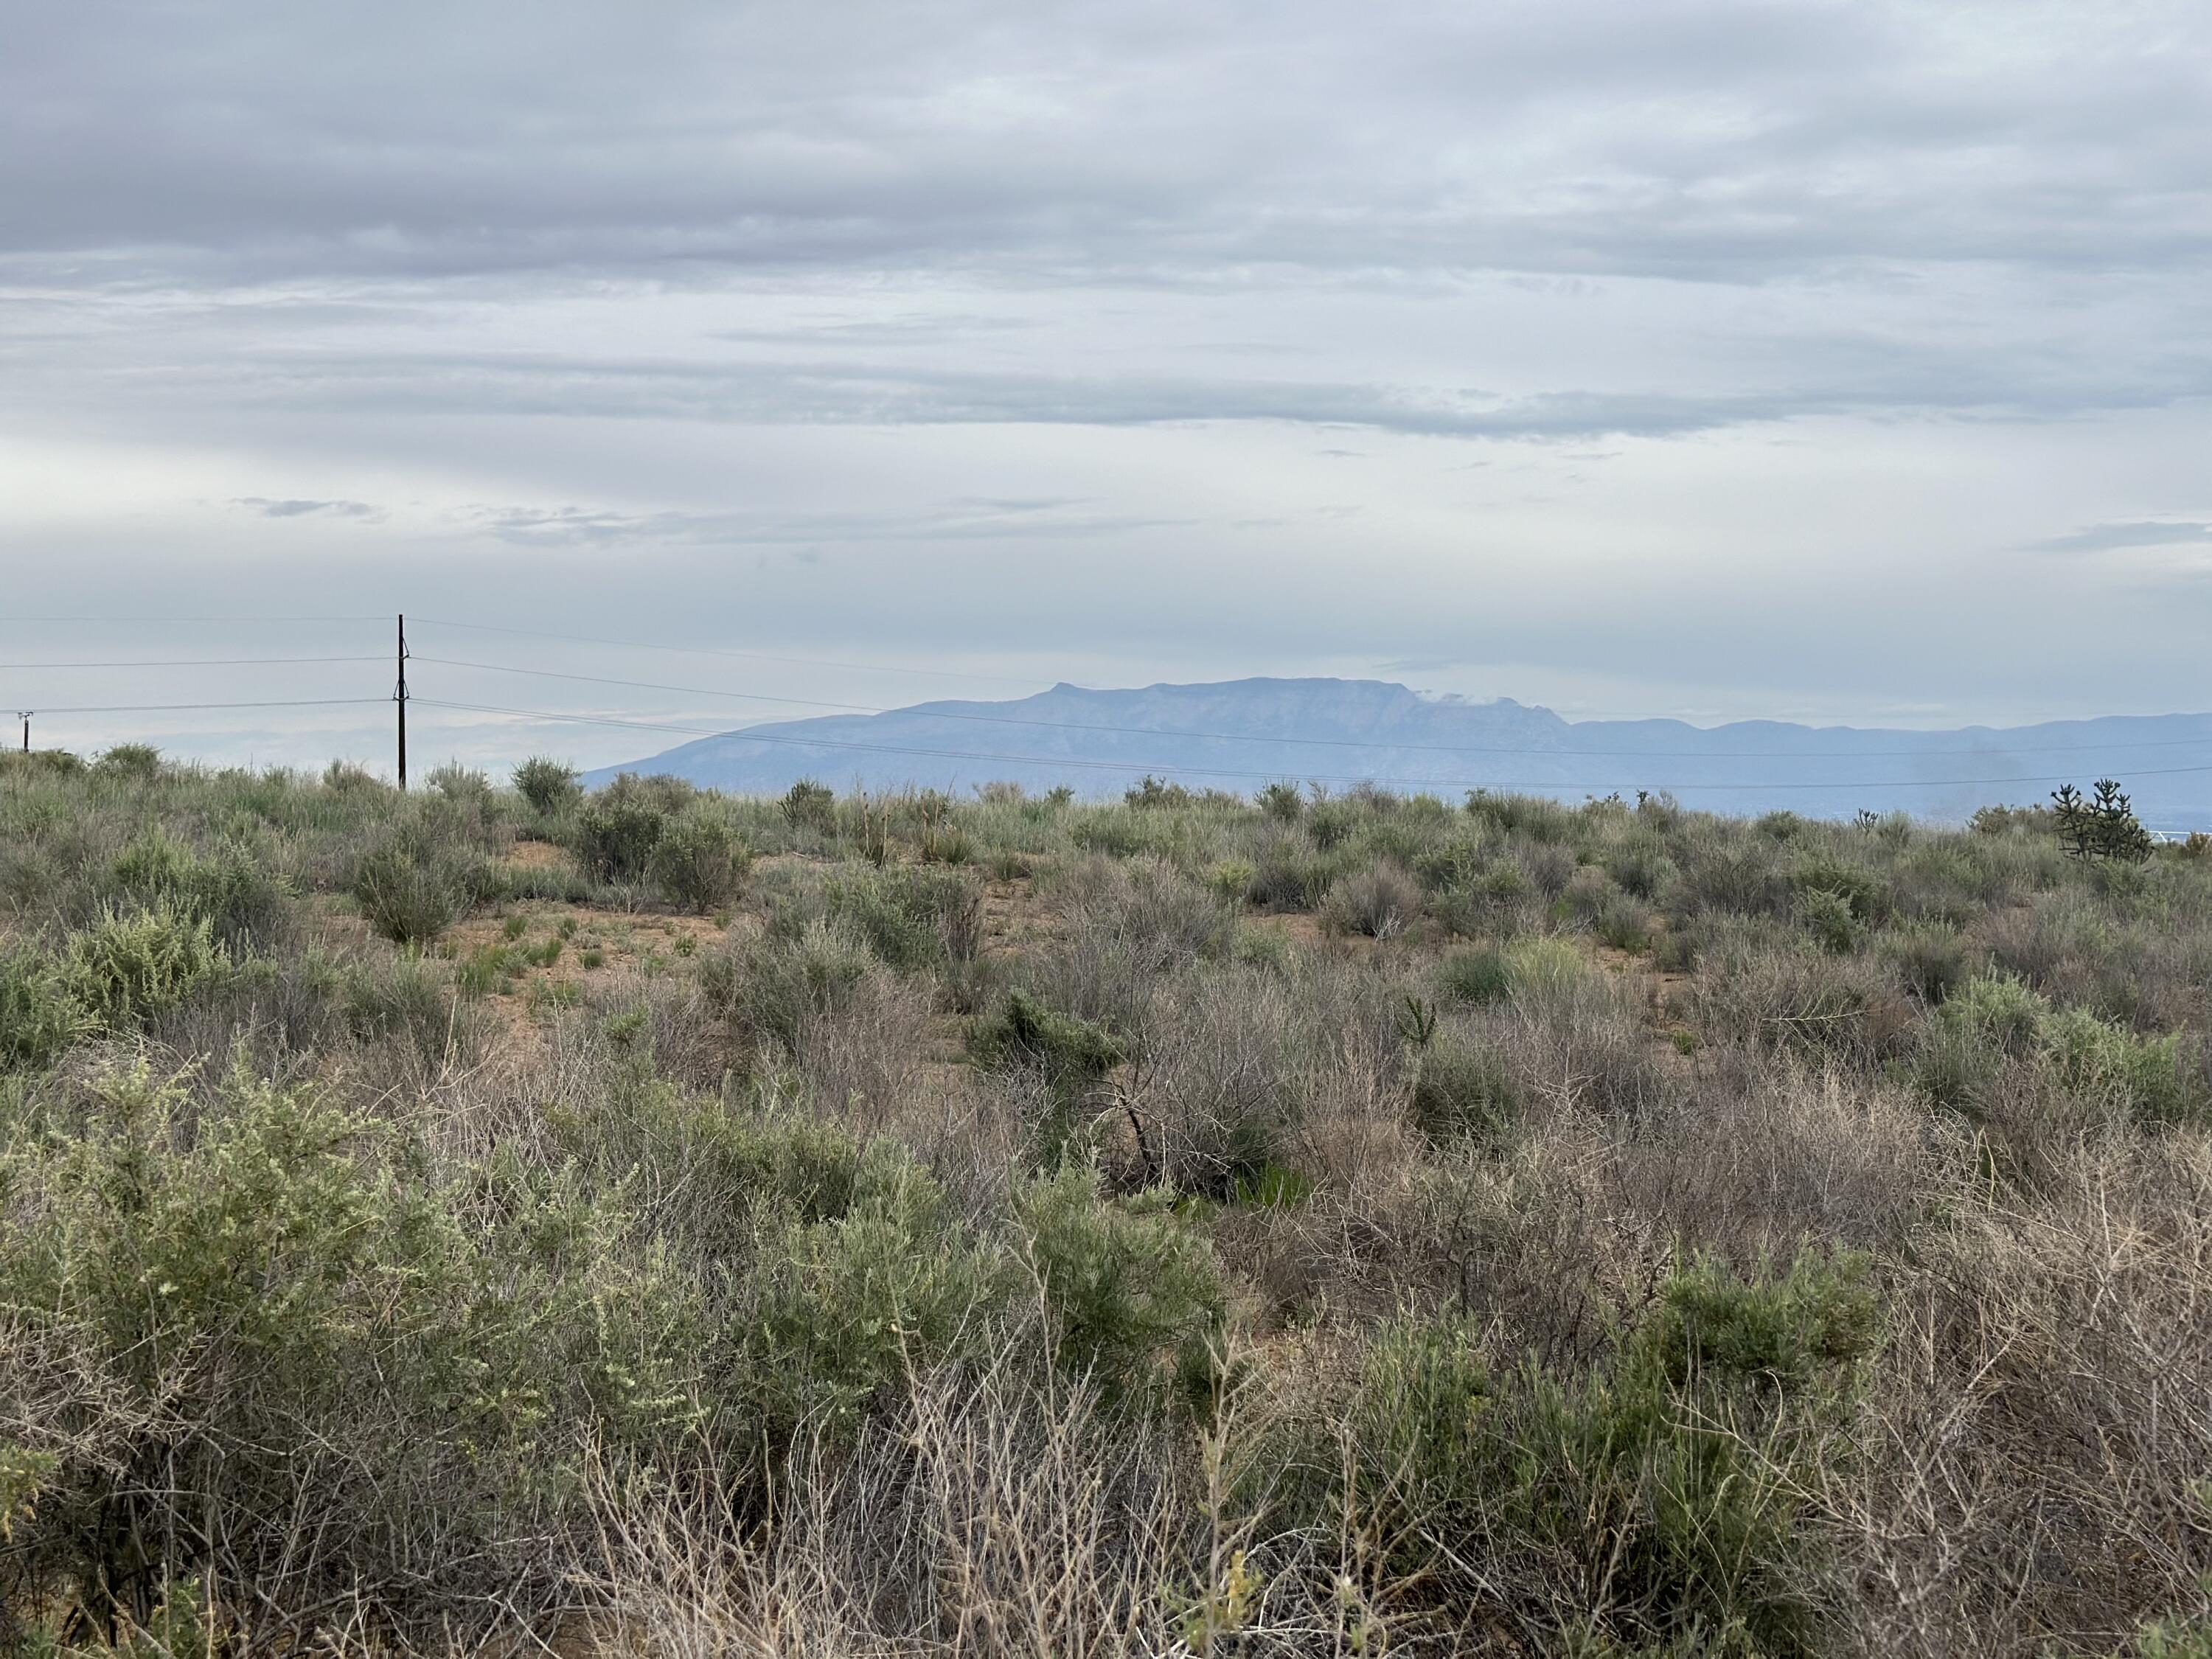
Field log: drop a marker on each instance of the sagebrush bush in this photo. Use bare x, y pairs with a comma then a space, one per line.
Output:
1069, 1052
549, 786
911, 917
132, 964
1381, 901
1134, 1294
699, 863
416, 882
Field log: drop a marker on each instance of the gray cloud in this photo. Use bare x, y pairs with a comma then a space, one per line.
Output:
2141, 532
302, 509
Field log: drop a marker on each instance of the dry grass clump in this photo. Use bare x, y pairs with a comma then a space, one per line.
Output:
1343, 1223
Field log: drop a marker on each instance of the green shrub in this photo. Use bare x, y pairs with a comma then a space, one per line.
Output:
1670, 1480
132, 964
910, 917
811, 806
38, 1018
699, 864
1281, 801
1479, 976
289, 1314
1463, 1086
1071, 1054
416, 882
1828, 917
549, 786
773, 987
841, 1308
2145, 1075
248, 905
140, 762
1381, 901
1623, 925
618, 830
1134, 1295
1929, 960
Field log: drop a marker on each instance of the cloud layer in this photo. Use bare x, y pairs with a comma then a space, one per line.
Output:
1708, 357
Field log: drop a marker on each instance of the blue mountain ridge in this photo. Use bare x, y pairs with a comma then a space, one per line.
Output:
1237, 735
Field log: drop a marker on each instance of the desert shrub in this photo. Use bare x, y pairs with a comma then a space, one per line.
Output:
416, 882
1281, 800
774, 987
1641, 866
130, 964
1762, 993
287, 1312
1289, 875
1464, 1085
1070, 1053
550, 786
1828, 916
1134, 1294
698, 863
1535, 817
1929, 958
38, 1017
457, 782
1330, 824
140, 763
1623, 925
248, 905
617, 830
1381, 901
408, 1004
808, 804
2144, 1075
840, 1308
1741, 879
1479, 976
1658, 1501
911, 918
1542, 967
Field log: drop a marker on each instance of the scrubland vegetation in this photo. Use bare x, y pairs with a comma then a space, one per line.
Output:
519, 1220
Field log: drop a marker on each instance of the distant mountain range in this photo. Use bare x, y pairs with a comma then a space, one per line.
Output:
1239, 734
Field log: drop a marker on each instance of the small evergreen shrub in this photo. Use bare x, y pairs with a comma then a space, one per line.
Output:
1479, 976
1071, 1054
550, 786
699, 864
1135, 1298
132, 964
417, 882
911, 918
38, 1017
140, 763
618, 830
1463, 1086
1381, 901
811, 806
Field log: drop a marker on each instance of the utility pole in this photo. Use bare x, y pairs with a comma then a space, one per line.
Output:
398, 698
24, 715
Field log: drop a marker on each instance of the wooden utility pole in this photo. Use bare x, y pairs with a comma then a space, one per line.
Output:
24, 715
399, 697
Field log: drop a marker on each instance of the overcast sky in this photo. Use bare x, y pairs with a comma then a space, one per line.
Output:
1712, 358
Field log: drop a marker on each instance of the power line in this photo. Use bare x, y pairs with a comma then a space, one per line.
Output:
1319, 743
189, 662
156, 707
19, 617
1215, 772
745, 656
